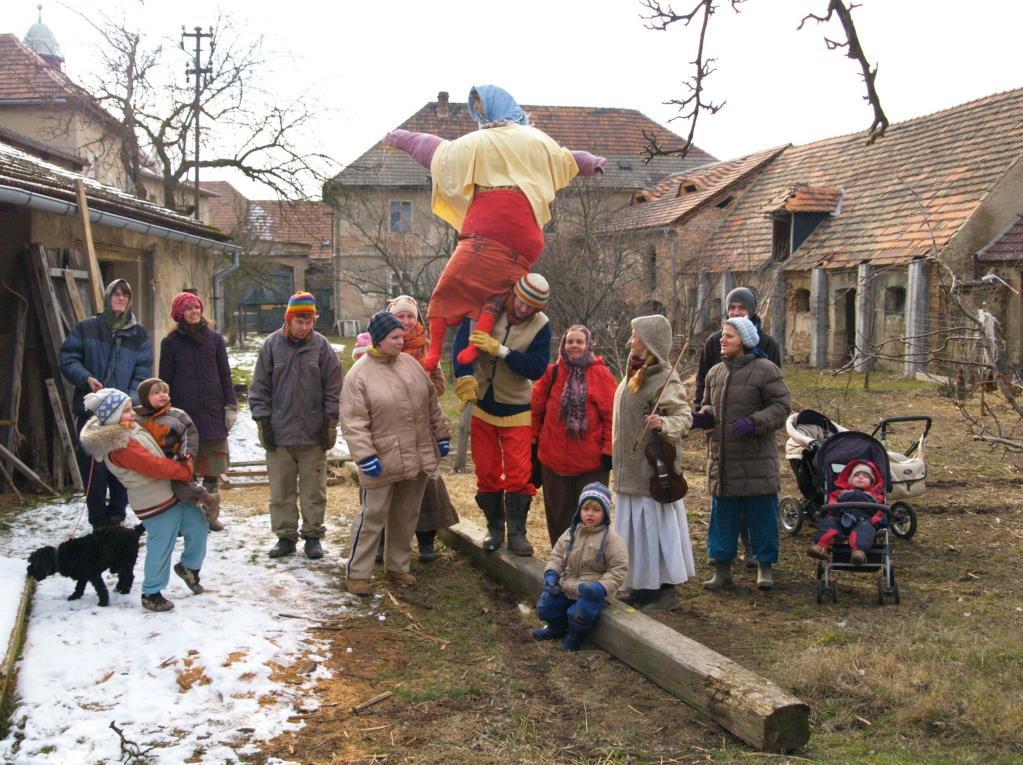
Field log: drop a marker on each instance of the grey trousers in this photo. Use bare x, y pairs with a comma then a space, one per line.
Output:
306, 468
394, 507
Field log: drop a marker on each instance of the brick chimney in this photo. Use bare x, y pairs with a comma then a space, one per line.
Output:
442, 104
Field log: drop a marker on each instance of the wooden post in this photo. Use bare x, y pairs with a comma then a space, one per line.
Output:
8, 434
70, 451
90, 250
462, 449
749, 706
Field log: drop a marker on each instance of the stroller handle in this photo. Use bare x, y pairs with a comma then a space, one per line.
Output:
883, 427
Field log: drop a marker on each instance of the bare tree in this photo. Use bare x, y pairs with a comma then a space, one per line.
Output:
660, 16
246, 128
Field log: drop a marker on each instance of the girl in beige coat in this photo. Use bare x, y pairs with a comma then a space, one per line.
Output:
397, 433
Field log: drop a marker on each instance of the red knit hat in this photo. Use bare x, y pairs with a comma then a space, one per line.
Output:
182, 302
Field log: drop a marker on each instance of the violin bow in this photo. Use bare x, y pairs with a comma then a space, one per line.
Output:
674, 368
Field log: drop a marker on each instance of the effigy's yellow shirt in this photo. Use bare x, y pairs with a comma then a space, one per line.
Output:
511, 155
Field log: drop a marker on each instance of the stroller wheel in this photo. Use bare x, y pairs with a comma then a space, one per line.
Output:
834, 591
790, 515
903, 519
895, 593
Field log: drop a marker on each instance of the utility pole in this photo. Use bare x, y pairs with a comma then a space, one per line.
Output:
198, 70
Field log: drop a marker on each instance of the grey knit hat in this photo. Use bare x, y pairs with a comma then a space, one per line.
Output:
747, 331
744, 296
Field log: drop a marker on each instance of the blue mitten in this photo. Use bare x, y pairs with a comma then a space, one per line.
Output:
444, 446
743, 426
550, 582
592, 591
370, 466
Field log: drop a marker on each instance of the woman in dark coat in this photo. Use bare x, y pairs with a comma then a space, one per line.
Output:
746, 402
193, 361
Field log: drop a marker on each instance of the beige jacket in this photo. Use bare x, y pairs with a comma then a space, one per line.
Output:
389, 409
584, 563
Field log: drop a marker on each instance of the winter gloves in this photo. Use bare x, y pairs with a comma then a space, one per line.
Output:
486, 343
744, 426
444, 446
328, 435
592, 591
467, 389
266, 435
703, 420
370, 466
230, 416
550, 583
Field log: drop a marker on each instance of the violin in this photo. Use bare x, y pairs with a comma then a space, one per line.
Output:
666, 486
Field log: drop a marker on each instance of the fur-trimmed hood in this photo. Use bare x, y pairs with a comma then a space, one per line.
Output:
99, 440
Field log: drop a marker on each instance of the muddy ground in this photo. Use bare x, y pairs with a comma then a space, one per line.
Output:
938, 678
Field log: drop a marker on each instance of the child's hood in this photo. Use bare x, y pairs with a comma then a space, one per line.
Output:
99, 440
876, 488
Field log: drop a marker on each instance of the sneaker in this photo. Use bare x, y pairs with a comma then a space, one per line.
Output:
361, 587
313, 550
156, 602
403, 579
190, 577
282, 548
819, 551
858, 557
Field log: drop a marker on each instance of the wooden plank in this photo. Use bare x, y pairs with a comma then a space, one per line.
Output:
14, 645
10, 482
25, 469
72, 273
749, 706
90, 250
70, 451
8, 434
49, 310
76, 299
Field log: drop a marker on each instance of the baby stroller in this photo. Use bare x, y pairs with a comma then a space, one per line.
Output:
832, 456
807, 429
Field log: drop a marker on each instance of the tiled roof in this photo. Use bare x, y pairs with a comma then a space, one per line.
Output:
24, 75
23, 171
673, 198
617, 134
925, 178
227, 206
305, 223
802, 198
1008, 245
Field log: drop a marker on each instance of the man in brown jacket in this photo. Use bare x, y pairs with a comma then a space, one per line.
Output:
397, 434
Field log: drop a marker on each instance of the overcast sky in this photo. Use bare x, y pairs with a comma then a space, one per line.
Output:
372, 65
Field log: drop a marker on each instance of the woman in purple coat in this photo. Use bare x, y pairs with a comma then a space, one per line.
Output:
193, 361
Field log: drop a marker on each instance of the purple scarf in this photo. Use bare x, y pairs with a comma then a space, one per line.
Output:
573, 395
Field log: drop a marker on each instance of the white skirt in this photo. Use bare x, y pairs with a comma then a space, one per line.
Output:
657, 538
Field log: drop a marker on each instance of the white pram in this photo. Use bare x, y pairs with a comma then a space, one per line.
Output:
807, 429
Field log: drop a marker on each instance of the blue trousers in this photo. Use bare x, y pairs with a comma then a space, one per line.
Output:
99, 481
161, 534
761, 513
580, 615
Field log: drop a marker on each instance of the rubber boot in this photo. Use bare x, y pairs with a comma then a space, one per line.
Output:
492, 505
554, 630
722, 576
427, 554
517, 506
764, 579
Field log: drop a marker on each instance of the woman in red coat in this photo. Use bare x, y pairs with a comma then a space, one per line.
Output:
571, 427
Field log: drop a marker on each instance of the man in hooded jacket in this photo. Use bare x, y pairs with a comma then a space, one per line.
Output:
108, 350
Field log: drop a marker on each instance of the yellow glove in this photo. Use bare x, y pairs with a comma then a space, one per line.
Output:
467, 389
485, 342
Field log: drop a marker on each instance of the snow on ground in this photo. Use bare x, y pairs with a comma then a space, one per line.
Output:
194, 682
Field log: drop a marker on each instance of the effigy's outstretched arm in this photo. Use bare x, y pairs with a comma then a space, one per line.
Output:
419, 146
589, 164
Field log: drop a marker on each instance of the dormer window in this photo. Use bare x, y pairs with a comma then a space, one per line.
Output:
781, 238
624, 164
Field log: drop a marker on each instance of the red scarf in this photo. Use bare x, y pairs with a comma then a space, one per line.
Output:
415, 342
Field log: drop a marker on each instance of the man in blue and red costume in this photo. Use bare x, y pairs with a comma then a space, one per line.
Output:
495, 187
500, 383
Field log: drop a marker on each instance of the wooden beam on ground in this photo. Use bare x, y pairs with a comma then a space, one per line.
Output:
747, 705
70, 452
90, 250
25, 469
9, 481
14, 645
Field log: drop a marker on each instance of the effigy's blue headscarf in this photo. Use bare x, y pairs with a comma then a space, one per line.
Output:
498, 105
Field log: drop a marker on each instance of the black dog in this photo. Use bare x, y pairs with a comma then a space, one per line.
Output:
86, 558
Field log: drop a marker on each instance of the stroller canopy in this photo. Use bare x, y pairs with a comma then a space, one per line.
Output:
841, 449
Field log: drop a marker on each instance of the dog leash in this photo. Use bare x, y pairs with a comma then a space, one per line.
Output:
88, 486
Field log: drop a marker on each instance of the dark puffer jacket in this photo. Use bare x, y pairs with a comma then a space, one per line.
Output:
119, 359
745, 386
711, 355
199, 377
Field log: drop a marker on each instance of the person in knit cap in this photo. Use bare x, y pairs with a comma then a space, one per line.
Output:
655, 533
500, 384
437, 511
294, 399
588, 564
495, 187
108, 350
859, 481
747, 401
194, 365
112, 436
741, 301
397, 435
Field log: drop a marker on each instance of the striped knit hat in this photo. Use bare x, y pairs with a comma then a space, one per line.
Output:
300, 302
381, 324
107, 404
533, 290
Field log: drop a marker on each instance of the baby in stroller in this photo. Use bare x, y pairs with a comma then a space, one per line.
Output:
858, 482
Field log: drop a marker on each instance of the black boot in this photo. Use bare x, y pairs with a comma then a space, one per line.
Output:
517, 506
573, 641
555, 630
282, 548
426, 552
492, 505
